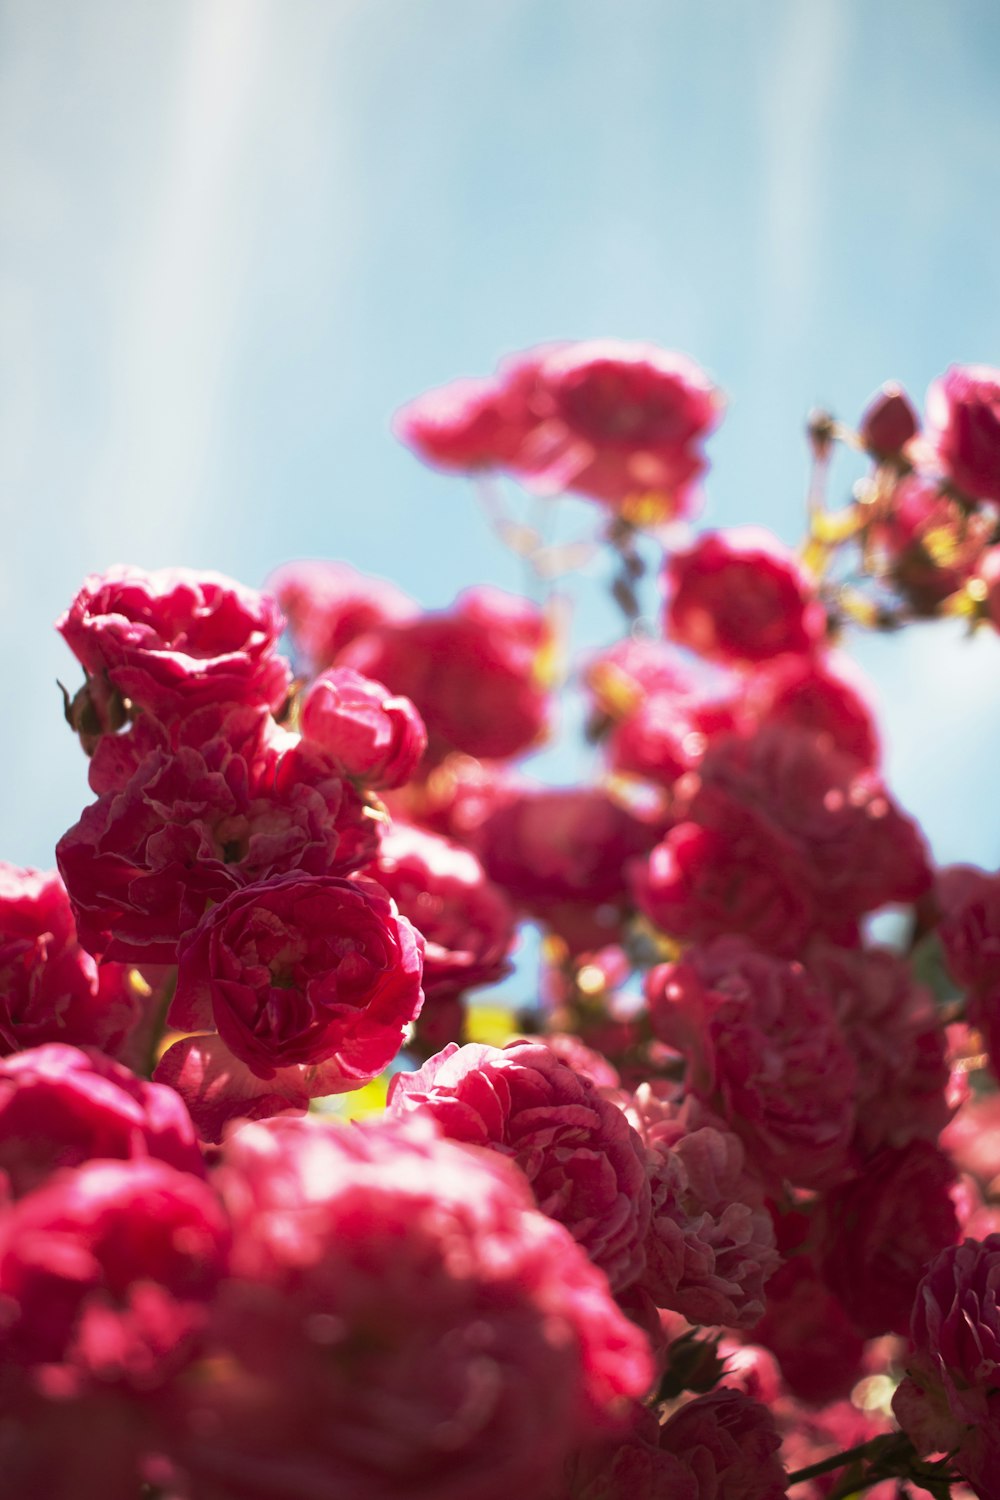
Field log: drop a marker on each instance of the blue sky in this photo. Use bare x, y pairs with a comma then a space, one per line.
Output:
236, 234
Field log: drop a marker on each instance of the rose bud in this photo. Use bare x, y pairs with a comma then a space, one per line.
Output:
370, 735
888, 422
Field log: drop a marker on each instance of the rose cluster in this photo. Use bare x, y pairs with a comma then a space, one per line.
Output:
292, 1208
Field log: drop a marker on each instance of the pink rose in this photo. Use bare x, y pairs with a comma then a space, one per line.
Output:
106, 1274
740, 596
621, 422
60, 1106
560, 854
328, 604
474, 672
216, 803
466, 921
830, 700
51, 989
467, 424
892, 1030
369, 735
950, 1399
175, 639
880, 1231
585, 1163
301, 986
710, 1246
808, 1331
963, 418
926, 543
730, 1443
765, 1053
399, 1319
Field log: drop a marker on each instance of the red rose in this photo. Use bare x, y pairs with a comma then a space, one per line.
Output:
584, 1161
731, 1444
741, 596
305, 985
51, 990
880, 1231
369, 734
466, 922
216, 803
765, 1053
175, 639
963, 416
327, 604
106, 1274
475, 672
60, 1106
399, 1320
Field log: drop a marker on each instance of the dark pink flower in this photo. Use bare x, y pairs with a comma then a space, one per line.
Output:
892, 1030
969, 926
106, 1274
175, 639
963, 418
467, 424
888, 421
950, 1399
621, 422
301, 986
880, 1230
60, 1107
710, 1246
808, 1331
730, 1443
817, 695
465, 920
476, 673
399, 1320
368, 733
51, 989
216, 803
925, 542
328, 604
560, 854
740, 596
585, 1163
765, 1053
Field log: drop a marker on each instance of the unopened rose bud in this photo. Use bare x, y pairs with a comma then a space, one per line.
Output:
693, 1364
94, 710
888, 421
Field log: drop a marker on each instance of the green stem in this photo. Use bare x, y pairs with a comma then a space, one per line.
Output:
838, 1460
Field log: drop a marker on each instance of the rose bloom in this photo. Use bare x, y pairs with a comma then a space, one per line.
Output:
620, 422
560, 854
963, 417
765, 1053
328, 604
368, 733
466, 921
585, 1163
710, 1246
892, 1030
817, 694
189, 815
950, 1399
301, 986
969, 927
61, 1106
858, 848
106, 1274
51, 989
808, 1331
880, 1231
476, 672
730, 1443
740, 596
175, 639
399, 1320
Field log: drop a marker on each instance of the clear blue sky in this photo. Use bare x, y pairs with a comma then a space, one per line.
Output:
236, 234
